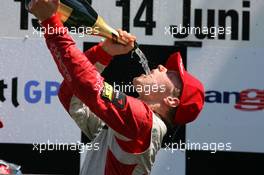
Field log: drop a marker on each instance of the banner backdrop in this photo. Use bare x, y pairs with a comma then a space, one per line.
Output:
224, 49
30, 109
234, 110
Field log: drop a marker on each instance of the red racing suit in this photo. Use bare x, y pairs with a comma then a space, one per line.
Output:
134, 133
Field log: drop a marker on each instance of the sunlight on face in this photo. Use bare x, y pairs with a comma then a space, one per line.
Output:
160, 83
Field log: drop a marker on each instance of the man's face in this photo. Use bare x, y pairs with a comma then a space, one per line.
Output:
158, 85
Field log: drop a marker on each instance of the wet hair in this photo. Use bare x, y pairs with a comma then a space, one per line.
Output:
176, 92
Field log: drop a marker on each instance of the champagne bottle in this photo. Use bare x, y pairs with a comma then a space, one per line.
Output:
79, 13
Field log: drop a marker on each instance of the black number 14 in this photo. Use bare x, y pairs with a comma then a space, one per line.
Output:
148, 23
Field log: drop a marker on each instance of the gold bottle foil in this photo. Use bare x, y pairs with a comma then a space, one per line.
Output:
101, 26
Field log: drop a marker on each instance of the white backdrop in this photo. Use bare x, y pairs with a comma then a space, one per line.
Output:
222, 65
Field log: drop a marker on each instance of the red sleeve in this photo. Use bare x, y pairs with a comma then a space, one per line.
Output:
126, 115
94, 54
97, 54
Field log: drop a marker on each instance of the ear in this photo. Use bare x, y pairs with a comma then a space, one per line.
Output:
171, 101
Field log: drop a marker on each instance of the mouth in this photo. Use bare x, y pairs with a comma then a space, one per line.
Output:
146, 76
143, 75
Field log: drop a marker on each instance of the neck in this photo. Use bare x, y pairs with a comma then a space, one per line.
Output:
160, 111
154, 106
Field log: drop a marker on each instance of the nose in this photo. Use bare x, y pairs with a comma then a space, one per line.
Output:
162, 68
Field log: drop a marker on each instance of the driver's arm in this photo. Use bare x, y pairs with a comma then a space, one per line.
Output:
128, 116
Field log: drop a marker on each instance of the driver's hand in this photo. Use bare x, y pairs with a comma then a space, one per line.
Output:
118, 49
43, 9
